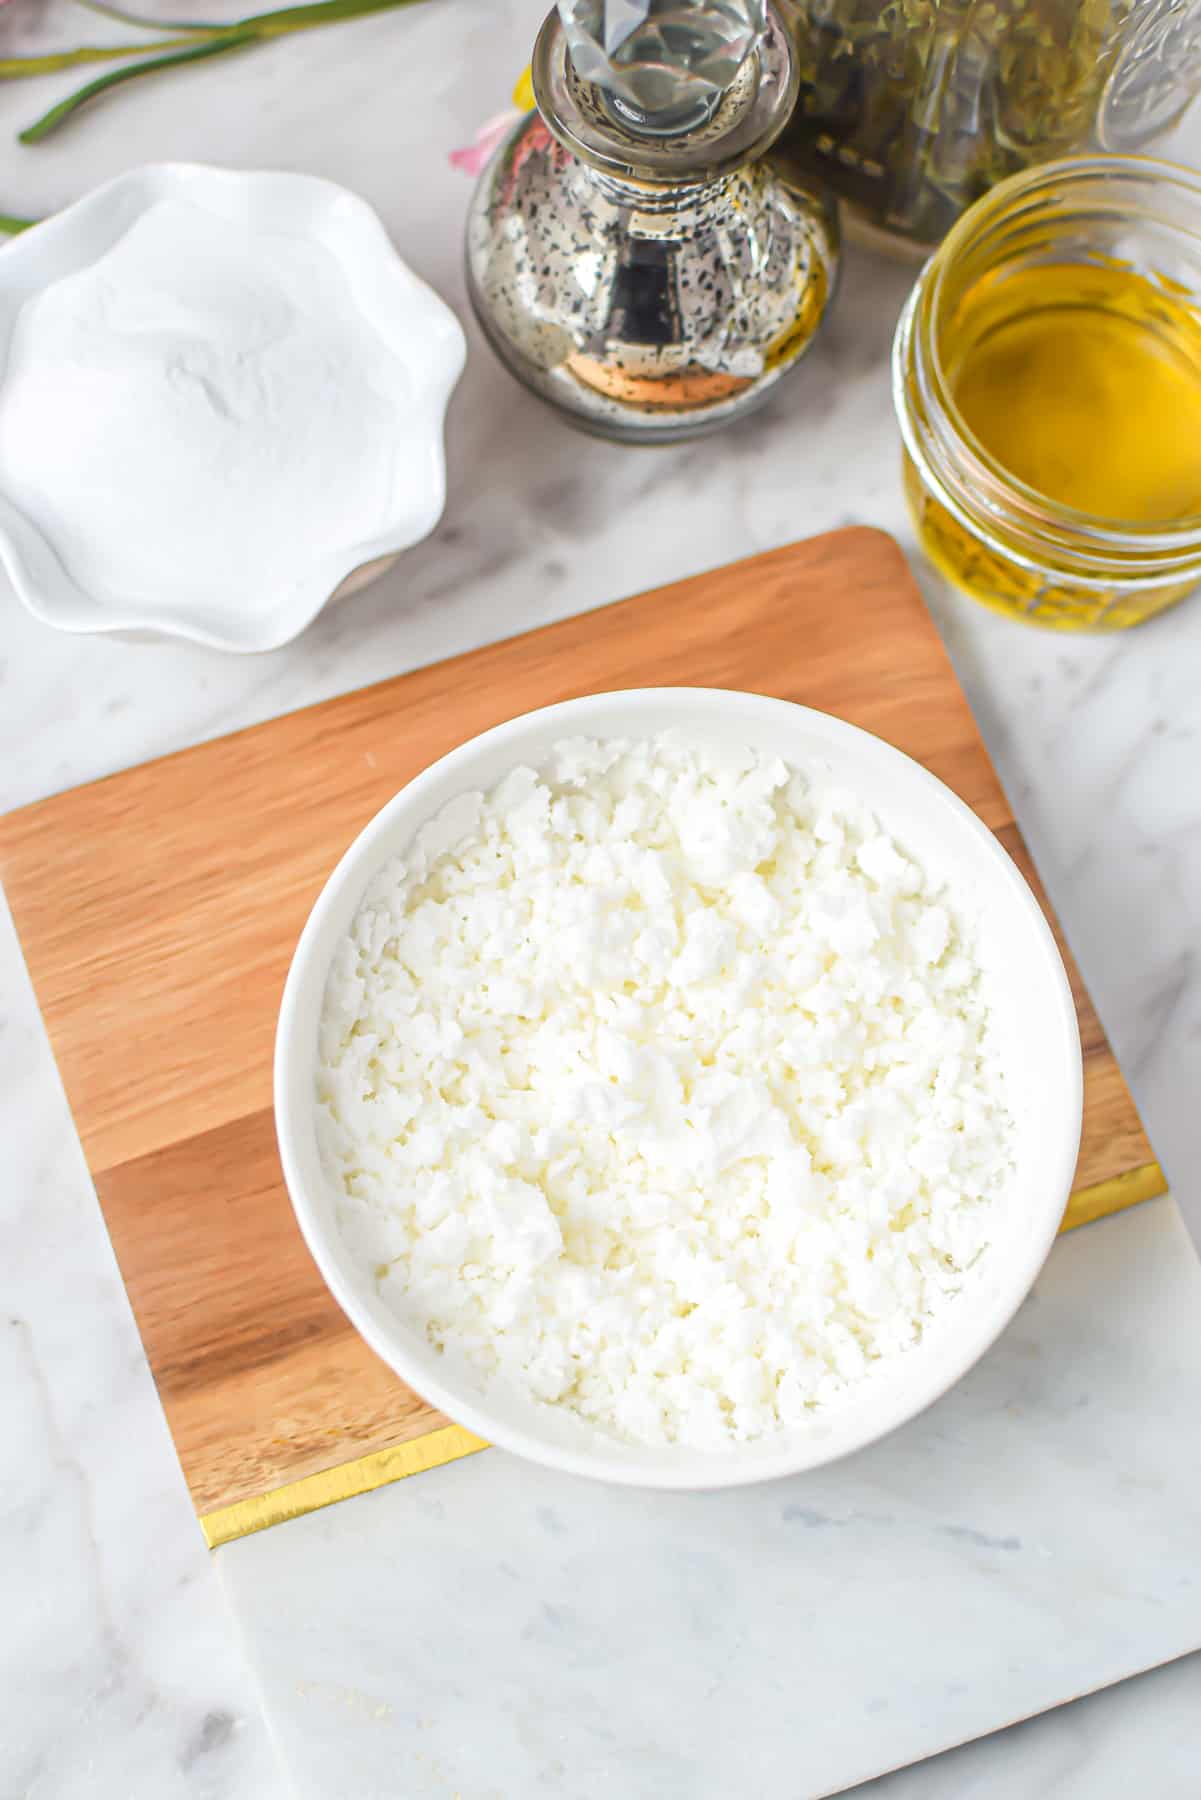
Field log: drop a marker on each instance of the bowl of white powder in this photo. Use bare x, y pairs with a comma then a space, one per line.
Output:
678, 1086
221, 403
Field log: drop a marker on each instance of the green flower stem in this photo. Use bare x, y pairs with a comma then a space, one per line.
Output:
16, 68
256, 28
124, 17
11, 225
316, 12
216, 46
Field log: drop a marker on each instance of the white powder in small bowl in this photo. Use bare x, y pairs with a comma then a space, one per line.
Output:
198, 412
659, 1084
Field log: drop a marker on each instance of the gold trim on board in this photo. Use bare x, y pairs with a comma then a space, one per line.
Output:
451, 1441
1113, 1195
341, 1483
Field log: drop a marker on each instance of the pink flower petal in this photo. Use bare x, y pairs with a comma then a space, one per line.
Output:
471, 158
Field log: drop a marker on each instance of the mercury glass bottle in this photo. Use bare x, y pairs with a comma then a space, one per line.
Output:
631, 257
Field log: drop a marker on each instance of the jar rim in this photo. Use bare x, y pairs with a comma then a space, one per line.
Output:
1104, 533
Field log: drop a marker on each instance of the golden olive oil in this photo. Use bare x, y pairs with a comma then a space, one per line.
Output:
1082, 381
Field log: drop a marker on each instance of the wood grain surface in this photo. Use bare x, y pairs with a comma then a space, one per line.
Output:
158, 910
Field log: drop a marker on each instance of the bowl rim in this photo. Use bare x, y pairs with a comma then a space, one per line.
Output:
42, 582
729, 1468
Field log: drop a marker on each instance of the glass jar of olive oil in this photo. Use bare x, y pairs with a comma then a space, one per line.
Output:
1047, 380
911, 109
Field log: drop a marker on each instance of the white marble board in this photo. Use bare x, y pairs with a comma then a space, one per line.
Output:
493, 1629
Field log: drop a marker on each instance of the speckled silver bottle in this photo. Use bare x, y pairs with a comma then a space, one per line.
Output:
631, 257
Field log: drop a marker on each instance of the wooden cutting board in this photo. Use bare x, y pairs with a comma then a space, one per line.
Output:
158, 910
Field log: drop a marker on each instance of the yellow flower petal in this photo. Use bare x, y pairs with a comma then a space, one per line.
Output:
523, 93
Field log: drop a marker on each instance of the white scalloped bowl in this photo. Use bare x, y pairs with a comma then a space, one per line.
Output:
407, 320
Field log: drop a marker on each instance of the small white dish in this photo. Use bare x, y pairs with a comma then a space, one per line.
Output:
405, 320
1036, 1034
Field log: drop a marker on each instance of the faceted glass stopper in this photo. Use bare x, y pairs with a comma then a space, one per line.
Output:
664, 64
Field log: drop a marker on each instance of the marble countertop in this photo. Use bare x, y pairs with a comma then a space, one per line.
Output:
122, 1673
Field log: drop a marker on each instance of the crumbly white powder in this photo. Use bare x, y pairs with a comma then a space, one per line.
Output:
659, 1083
193, 414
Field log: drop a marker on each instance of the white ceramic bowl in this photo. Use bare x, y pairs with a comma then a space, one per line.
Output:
405, 320
1037, 1033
